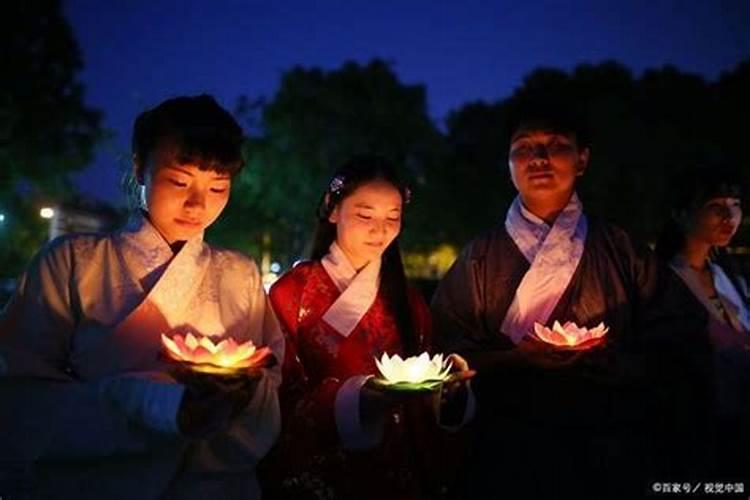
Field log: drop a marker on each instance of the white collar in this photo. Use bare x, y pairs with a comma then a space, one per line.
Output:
143, 232
553, 254
338, 267
731, 301
531, 217
358, 289
529, 231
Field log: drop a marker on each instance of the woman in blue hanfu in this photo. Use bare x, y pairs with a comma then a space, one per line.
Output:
706, 217
89, 409
563, 411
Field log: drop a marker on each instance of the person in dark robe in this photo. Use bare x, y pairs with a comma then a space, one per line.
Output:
707, 212
559, 418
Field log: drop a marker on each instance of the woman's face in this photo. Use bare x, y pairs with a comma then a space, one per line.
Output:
717, 221
367, 221
181, 199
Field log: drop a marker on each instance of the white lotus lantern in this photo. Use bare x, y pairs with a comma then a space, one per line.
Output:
413, 373
569, 334
202, 354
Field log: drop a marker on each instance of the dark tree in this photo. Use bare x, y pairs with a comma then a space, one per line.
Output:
46, 130
645, 133
317, 120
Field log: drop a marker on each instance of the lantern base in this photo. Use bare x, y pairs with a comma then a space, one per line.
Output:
184, 368
420, 387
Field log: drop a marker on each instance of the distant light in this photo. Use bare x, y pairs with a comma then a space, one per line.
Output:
268, 280
47, 213
2, 217
275, 267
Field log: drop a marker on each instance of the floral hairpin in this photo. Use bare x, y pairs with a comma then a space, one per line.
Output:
336, 185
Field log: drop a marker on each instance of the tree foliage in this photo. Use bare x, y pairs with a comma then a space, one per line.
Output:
314, 123
646, 132
46, 129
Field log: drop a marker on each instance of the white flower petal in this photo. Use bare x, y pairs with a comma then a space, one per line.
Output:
170, 344
191, 342
389, 369
539, 329
208, 344
383, 370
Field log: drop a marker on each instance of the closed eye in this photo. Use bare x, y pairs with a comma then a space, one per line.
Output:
178, 183
523, 150
365, 217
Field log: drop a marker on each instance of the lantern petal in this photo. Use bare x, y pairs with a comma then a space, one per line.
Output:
242, 354
201, 355
539, 329
552, 336
390, 371
258, 356
208, 344
383, 370
191, 342
230, 347
173, 350
221, 345
180, 343
245, 350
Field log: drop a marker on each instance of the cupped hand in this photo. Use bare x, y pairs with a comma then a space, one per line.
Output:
210, 402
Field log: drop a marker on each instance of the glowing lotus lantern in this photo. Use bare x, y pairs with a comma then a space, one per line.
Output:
226, 357
417, 373
569, 334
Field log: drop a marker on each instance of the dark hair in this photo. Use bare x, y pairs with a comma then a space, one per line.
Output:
691, 191
553, 108
356, 172
200, 131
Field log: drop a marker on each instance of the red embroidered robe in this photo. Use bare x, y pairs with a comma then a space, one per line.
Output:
309, 460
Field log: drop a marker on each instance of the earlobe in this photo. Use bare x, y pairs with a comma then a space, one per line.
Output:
583, 161
334, 217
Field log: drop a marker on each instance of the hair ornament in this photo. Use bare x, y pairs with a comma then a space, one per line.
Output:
336, 185
407, 195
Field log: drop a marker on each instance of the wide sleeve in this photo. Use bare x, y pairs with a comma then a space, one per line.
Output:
308, 407
671, 358
457, 306
255, 430
460, 409
421, 318
668, 323
46, 412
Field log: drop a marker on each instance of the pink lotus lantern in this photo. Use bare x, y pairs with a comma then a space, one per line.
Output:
226, 357
569, 334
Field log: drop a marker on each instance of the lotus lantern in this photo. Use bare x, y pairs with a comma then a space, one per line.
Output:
569, 334
413, 373
202, 354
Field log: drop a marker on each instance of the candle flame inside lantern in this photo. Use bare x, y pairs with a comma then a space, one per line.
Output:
569, 334
202, 350
415, 369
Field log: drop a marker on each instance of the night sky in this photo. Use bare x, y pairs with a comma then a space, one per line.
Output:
137, 53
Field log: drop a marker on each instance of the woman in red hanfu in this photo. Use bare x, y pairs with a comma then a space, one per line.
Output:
341, 436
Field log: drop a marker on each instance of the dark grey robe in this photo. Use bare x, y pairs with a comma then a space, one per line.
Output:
557, 422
